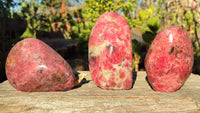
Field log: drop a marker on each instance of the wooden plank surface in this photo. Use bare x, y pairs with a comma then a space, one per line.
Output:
89, 99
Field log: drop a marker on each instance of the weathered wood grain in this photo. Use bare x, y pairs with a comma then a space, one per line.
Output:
89, 99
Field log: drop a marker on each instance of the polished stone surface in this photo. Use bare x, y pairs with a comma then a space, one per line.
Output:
110, 52
33, 66
169, 59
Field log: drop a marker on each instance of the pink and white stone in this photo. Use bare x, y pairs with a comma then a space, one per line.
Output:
110, 52
169, 59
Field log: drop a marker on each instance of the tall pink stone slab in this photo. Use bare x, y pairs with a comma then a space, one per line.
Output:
169, 59
110, 52
33, 66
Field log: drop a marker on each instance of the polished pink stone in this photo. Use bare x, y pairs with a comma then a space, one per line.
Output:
110, 52
33, 66
169, 59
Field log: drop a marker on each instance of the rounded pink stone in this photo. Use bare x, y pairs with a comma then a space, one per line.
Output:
169, 59
33, 66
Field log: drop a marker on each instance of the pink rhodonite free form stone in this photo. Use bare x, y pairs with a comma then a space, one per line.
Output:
110, 52
169, 59
33, 66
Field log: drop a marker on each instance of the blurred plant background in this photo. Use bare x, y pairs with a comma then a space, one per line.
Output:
74, 19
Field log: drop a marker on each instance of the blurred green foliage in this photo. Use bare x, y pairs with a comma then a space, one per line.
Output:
97, 7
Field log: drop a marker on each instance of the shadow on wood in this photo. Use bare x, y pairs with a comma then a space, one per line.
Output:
147, 80
134, 78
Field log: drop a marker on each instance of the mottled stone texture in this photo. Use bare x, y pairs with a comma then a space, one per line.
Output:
169, 59
110, 52
33, 66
